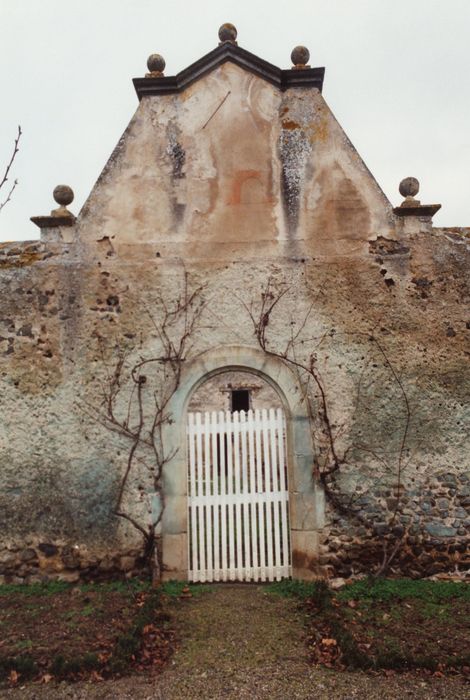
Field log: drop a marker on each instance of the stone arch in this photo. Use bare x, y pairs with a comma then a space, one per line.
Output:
306, 500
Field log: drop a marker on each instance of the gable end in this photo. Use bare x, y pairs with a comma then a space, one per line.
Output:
283, 79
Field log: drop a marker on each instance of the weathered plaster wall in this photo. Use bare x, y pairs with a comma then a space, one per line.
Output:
229, 162
266, 187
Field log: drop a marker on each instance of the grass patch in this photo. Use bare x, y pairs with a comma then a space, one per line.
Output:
24, 644
87, 610
374, 624
107, 627
431, 609
34, 589
401, 589
318, 592
62, 667
352, 655
128, 644
174, 589
127, 586
52, 588
23, 664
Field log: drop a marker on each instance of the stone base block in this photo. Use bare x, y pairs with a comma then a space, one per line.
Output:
305, 551
175, 515
175, 557
302, 509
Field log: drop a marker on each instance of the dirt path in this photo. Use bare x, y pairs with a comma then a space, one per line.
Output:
239, 642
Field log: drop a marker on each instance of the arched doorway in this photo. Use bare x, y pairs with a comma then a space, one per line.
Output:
238, 495
306, 498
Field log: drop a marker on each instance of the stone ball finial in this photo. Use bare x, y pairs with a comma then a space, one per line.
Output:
409, 187
63, 195
228, 32
156, 63
300, 56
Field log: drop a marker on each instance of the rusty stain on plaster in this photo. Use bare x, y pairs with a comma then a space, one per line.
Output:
239, 179
319, 130
289, 124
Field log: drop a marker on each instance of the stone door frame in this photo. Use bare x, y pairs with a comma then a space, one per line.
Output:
306, 498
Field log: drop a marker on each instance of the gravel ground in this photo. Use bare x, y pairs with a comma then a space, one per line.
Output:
239, 642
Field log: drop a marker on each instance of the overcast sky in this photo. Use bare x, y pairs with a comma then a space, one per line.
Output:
397, 79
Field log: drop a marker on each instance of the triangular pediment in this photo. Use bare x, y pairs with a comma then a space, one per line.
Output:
227, 51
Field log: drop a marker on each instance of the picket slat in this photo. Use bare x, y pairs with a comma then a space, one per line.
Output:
268, 487
215, 491
253, 503
238, 496
259, 490
207, 492
231, 529
276, 520
238, 510
192, 494
200, 535
222, 436
245, 490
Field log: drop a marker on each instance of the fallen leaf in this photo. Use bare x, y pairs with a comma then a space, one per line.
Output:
329, 642
13, 677
46, 678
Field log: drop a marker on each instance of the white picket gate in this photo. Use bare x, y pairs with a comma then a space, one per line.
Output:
238, 496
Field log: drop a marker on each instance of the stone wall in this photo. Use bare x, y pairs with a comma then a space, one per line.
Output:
432, 524
269, 198
42, 562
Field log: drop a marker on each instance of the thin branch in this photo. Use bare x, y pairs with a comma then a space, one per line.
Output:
12, 189
134, 522
4, 179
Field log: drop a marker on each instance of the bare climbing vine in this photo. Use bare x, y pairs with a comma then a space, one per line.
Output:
6, 174
333, 448
135, 404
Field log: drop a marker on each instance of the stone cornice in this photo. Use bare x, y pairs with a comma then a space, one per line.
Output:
53, 221
283, 79
427, 210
